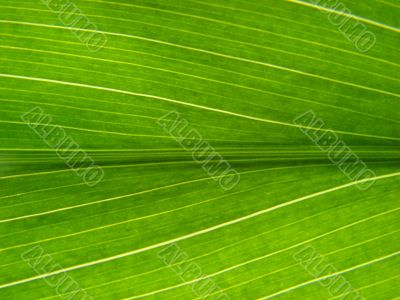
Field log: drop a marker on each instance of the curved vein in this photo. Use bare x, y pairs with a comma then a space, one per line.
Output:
282, 68
189, 104
200, 232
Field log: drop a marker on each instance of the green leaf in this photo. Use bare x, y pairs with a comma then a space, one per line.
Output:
272, 89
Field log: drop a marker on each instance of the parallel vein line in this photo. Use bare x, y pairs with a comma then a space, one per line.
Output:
332, 275
282, 68
262, 257
341, 13
190, 105
197, 233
